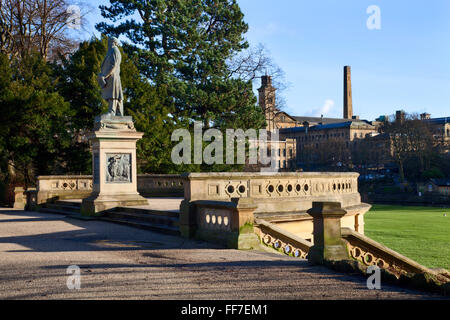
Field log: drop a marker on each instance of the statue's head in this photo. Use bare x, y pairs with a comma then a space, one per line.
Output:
113, 41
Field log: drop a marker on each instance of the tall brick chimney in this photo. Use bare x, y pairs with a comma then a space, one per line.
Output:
348, 103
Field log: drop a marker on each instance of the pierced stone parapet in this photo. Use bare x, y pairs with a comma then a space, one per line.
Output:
285, 192
282, 240
372, 253
78, 187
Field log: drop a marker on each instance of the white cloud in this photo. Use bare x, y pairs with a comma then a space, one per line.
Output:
325, 110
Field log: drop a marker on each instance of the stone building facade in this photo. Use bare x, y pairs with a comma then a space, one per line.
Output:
335, 140
440, 128
306, 135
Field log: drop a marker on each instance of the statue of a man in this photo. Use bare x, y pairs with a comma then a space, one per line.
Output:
109, 78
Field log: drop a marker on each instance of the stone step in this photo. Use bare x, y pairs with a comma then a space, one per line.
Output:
165, 229
59, 211
147, 217
69, 203
131, 210
63, 207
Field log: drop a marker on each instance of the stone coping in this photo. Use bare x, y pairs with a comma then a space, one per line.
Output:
64, 177
90, 176
262, 175
241, 203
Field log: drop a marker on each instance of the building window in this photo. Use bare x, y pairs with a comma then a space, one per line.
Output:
284, 152
290, 152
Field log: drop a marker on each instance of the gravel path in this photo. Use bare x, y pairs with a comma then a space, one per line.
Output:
118, 262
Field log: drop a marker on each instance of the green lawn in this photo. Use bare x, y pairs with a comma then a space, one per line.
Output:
419, 233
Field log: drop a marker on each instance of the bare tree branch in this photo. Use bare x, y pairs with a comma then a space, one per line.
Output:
36, 25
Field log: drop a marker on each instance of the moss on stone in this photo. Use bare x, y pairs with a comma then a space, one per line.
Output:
246, 228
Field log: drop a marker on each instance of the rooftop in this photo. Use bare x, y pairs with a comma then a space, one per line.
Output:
339, 125
441, 182
438, 120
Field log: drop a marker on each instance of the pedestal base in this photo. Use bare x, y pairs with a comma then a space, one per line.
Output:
113, 165
96, 205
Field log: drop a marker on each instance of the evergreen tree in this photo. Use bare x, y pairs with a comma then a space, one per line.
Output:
34, 117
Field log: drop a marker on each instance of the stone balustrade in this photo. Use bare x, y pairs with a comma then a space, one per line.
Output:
280, 198
78, 187
160, 185
63, 187
274, 192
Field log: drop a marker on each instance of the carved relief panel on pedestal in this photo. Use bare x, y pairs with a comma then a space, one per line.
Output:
118, 168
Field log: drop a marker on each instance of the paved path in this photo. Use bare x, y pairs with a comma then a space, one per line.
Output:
118, 262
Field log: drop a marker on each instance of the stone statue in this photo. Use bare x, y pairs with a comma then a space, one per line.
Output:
109, 79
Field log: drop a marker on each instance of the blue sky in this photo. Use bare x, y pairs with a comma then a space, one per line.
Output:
404, 65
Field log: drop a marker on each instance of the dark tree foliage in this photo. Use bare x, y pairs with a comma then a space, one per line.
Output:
34, 120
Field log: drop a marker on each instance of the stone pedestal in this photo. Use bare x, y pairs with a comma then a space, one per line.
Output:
230, 224
114, 165
19, 198
328, 243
